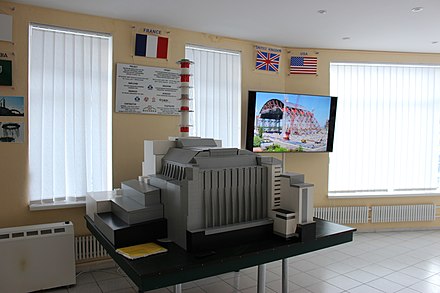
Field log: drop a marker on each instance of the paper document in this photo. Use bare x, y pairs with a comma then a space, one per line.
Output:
141, 250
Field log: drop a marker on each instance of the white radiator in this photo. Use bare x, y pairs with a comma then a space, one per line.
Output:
403, 213
343, 215
37, 257
378, 214
87, 248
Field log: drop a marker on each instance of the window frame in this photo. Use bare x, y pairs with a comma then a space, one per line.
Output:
347, 194
106, 73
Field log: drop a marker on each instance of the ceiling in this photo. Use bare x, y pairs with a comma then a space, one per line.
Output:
378, 25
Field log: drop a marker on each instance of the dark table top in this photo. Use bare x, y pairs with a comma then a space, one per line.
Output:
178, 266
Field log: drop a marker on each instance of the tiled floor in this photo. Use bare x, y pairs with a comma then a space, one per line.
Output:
402, 262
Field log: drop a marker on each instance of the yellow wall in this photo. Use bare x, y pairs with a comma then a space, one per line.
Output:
130, 130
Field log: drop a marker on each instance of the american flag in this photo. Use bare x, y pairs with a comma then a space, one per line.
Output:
303, 65
267, 61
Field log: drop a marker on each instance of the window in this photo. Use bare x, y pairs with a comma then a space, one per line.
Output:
387, 133
69, 114
216, 94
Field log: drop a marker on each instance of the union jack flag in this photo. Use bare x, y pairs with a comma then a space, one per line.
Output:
267, 61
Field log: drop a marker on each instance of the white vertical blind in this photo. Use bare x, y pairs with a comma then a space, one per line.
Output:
216, 93
69, 113
387, 132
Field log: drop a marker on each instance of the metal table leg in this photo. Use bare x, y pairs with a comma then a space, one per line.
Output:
261, 287
285, 276
178, 288
236, 281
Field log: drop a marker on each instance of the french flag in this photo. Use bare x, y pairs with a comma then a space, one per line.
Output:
151, 46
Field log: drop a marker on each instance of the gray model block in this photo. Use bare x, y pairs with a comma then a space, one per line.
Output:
297, 197
98, 202
223, 152
153, 154
132, 212
268, 161
142, 192
120, 234
284, 223
295, 178
195, 142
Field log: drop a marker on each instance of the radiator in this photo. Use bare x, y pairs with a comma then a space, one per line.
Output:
403, 213
37, 257
378, 214
343, 215
87, 248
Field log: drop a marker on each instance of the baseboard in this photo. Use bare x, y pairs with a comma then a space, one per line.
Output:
414, 229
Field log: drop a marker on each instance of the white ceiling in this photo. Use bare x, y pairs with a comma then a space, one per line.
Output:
383, 25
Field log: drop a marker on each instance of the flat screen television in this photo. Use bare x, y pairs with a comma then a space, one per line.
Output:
288, 122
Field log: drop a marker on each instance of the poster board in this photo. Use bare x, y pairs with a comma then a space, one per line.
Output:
147, 90
6, 27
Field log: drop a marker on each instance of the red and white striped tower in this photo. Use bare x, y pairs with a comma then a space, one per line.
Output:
184, 99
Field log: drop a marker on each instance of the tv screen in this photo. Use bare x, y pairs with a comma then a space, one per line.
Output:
287, 122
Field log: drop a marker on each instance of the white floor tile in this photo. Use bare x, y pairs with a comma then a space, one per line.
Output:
106, 275
428, 266
303, 265
402, 279
434, 279
408, 290
417, 273
324, 287
377, 270
161, 290
361, 276
207, 281
392, 264
363, 289
276, 286
323, 273
341, 268
191, 290
344, 282
218, 287
85, 278
385, 285
425, 287
114, 284
86, 288
304, 280
241, 282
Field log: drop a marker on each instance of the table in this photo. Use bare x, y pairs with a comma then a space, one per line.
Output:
177, 266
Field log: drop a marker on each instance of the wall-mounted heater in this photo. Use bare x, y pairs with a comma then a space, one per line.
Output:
37, 257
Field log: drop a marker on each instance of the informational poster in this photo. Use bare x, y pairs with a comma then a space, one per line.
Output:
147, 90
11, 131
6, 27
11, 106
6, 72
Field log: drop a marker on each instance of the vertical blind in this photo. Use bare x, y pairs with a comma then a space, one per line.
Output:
387, 133
216, 94
69, 113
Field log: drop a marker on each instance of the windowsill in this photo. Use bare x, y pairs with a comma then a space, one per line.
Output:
56, 205
381, 195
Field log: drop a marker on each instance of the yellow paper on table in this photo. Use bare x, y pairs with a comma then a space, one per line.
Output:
141, 250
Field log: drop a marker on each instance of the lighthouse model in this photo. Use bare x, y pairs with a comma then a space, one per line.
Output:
184, 99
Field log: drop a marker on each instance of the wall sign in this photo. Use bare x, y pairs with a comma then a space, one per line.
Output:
147, 90
6, 27
6, 72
